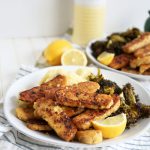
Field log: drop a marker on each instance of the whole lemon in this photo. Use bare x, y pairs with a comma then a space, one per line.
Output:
55, 50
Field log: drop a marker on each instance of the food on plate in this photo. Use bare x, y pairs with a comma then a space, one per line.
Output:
56, 118
74, 57
111, 127
38, 125
35, 93
105, 58
25, 113
139, 42
55, 49
137, 62
144, 68
120, 61
84, 120
89, 136
81, 109
131, 50
144, 51
75, 98
131, 106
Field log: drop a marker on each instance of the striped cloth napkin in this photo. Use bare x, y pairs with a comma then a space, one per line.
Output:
12, 139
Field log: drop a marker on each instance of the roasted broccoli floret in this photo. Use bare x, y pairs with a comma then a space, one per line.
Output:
96, 78
144, 110
106, 86
109, 87
132, 113
129, 94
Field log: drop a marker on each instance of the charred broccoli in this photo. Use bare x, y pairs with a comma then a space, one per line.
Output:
131, 106
96, 78
109, 87
106, 86
130, 103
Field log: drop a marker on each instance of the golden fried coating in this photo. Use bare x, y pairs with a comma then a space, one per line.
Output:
140, 61
144, 51
84, 120
130, 70
120, 61
37, 92
70, 111
25, 113
58, 81
90, 136
75, 98
57, 119
38, 125
137, 43
144, 68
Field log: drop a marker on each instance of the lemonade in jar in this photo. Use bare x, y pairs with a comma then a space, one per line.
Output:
89, 19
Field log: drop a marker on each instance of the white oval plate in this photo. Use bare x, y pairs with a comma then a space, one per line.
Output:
93, 59
33, 79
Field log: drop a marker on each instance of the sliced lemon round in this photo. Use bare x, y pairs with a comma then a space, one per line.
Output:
105, 58
55, 49
112, 126
74, 57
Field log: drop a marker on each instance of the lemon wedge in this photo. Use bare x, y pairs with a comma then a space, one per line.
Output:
112, 126
74, 57
105, 58
55, 50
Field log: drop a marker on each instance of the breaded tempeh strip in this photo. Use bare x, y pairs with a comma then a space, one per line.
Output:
144, 68
137, 43
84, 120
35, 93
74, 98
70, 111
57, 119
25, 114
120, 61
141, 52
140, 61
38, 125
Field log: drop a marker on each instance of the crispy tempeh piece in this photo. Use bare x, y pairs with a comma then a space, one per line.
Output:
57, 119
37, 92
25, 114
58, 81
74, 98
147, 72
130, 70
38, 125
137, 43
144, 51
90, 136
144, 68
87, 87
70, 111
84, 120
120, 61
140, 61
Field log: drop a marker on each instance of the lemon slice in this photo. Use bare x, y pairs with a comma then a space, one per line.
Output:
55, 50
112, 126
74, 57
105, 58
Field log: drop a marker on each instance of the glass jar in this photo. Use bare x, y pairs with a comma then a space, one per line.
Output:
89, 18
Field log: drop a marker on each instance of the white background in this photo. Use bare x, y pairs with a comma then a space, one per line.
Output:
32, 18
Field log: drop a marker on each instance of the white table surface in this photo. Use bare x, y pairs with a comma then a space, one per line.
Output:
14, 53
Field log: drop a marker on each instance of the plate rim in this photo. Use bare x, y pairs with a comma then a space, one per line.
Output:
93, 59
68, 144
